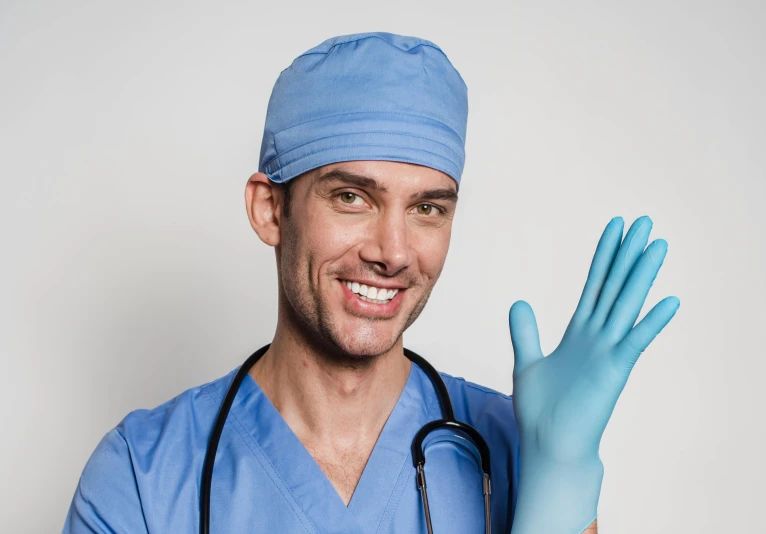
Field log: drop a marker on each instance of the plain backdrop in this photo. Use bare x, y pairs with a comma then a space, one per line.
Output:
130, 273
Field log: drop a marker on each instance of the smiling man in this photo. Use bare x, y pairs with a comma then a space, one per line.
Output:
357, 188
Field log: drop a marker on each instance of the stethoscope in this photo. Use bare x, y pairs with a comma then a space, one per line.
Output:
418, 453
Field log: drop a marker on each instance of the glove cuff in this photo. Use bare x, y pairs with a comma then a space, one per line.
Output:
557, 498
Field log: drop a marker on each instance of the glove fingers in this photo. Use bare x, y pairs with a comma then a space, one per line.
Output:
525, 337
632, 297
599, 269
636, 342
631, 249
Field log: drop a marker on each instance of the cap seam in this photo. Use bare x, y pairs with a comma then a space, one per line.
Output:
382, 112
283, 154
356, 145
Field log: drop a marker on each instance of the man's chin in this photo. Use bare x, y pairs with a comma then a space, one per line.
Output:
365, 348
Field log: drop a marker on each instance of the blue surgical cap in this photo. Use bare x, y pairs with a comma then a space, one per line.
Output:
368, 96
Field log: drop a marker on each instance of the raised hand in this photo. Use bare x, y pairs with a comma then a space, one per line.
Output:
563, 401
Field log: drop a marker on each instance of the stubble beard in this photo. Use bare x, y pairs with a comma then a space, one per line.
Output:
313, 321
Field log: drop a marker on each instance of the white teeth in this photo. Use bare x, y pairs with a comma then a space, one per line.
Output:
370, 293
376, 301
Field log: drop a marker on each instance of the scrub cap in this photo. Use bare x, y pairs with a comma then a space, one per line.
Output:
367, 96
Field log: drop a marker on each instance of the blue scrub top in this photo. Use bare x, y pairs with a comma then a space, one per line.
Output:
144, 476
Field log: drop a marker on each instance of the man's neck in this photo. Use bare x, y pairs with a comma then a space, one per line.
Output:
322, 397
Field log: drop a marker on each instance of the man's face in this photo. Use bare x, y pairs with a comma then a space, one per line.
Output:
364, 224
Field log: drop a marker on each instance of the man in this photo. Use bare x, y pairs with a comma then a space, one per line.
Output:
360, 166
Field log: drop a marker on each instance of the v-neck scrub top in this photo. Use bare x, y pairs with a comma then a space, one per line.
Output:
144, 476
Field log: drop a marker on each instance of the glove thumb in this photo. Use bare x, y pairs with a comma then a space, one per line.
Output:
525, 337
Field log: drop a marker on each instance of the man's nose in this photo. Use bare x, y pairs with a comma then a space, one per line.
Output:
388, 243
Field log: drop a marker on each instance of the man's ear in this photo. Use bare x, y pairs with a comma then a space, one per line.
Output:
263, 202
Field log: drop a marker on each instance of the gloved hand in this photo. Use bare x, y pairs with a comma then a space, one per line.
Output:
563, 401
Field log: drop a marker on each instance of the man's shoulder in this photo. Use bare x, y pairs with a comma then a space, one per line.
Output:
151, 449
175, 419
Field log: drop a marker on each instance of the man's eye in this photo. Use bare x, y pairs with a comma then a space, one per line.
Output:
426, 209
347, 197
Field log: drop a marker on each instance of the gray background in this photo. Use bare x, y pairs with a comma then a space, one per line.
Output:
130, 273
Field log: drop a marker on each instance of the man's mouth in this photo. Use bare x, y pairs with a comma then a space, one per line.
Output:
370, 293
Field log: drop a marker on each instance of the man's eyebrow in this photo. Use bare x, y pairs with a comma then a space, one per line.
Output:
359, 180
447, 194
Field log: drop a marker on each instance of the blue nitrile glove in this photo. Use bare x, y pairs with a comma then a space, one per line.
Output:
563, 401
